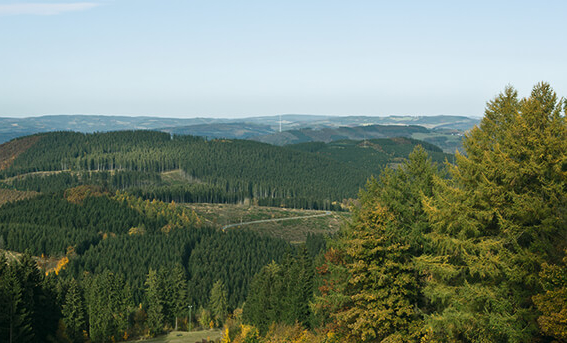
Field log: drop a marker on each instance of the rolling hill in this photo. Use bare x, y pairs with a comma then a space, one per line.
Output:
223, 127
192, 169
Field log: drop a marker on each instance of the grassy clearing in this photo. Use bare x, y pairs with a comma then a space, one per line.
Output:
189, 337
178, 177
219, 215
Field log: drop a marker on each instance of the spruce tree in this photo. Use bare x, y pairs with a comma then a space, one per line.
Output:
370, 289
167, 295
298, 289
156, 318
179, 287
382, 291
552, 303
402, 191
30, 280
73, 312
218, 302
500, 216
108, 302
264, 302
15, 318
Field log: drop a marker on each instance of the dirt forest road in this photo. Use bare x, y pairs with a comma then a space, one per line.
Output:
328, 213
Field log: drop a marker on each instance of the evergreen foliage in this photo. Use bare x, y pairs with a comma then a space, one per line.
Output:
73, 311
216, 171
500, 216
281, 293
381, 294
179, 298
15, 317
369, 288
28, 312
218, 303
156, 302
372, 155
108, 306
552, 303
141, 235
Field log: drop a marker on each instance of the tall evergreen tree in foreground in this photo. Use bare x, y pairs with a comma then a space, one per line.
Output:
28, 312
371, 290
501, 215
263, 304
380, 297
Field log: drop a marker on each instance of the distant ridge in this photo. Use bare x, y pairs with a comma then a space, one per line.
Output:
243, 128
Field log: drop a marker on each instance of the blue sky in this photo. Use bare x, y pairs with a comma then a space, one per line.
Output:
248, 58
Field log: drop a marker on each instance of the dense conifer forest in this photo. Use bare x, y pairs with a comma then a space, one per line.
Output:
470, 251
217, 170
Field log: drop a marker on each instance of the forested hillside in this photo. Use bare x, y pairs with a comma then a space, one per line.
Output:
214, 171
373, 154
155, 165
332, 134
111, 248
449, 140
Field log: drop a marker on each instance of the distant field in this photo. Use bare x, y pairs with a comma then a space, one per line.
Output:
189, 337
219, 215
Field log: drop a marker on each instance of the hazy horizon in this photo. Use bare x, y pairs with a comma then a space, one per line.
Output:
236, 117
